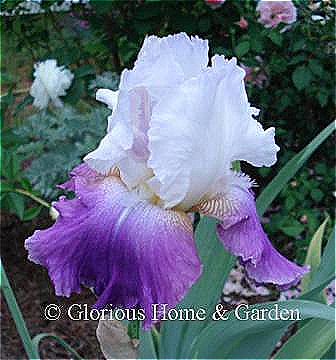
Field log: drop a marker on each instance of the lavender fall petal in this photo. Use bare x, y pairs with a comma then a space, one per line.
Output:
244, 237
132, 253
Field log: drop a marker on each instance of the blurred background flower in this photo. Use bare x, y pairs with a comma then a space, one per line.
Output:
214, 4
51, 82
272, 13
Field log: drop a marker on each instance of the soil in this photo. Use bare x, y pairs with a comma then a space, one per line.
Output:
34, 291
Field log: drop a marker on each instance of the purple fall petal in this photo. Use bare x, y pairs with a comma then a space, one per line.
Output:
275, 268
233, 209
132, 253
242, 234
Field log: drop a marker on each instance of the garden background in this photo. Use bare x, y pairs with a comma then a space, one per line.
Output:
290, 75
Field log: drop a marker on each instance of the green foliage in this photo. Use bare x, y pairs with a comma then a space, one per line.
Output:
296, 215
177, 336
40, 337
14, 308
16, 190
313, 257
312, 341
325, 272
54, 143
107, 80
211, 343
30, 345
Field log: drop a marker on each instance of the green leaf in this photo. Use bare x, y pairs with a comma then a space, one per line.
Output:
315, 67
146, 347
38, 338
321, 168
297, 59
330, 354
322, 97
317, 195
28, 100
313, 257
25, 183
299, 45
290, 169
325, 272
301, 77
276, 37
290, 202
84, 70
222, 338
17, 315
31, 213
294, 228
242, 48
176, 336
16, 202
17, 25
312, 341
133, 329
10, 139
264, 171
6, 186
75, 91
10, 165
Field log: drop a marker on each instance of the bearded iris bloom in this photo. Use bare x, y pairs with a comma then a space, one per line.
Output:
176, 127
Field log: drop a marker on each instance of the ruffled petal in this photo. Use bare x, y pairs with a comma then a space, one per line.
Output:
242, 234
243, 135
185, 142
274, 268
112, 148
200, 128
163, 63
132, 253
233, 205
126, 142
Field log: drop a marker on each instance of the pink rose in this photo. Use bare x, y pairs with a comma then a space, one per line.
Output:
274, 12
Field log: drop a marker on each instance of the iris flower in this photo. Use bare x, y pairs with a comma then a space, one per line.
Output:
176, 127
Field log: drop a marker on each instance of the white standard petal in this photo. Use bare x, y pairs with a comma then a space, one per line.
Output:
125, 145
198, 130
111, 149
243, 135
185, 143
163, 63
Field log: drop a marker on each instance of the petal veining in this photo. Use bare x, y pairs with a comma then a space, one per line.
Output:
132, 253
243, 235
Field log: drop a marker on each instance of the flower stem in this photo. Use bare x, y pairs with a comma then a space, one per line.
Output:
34, 197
